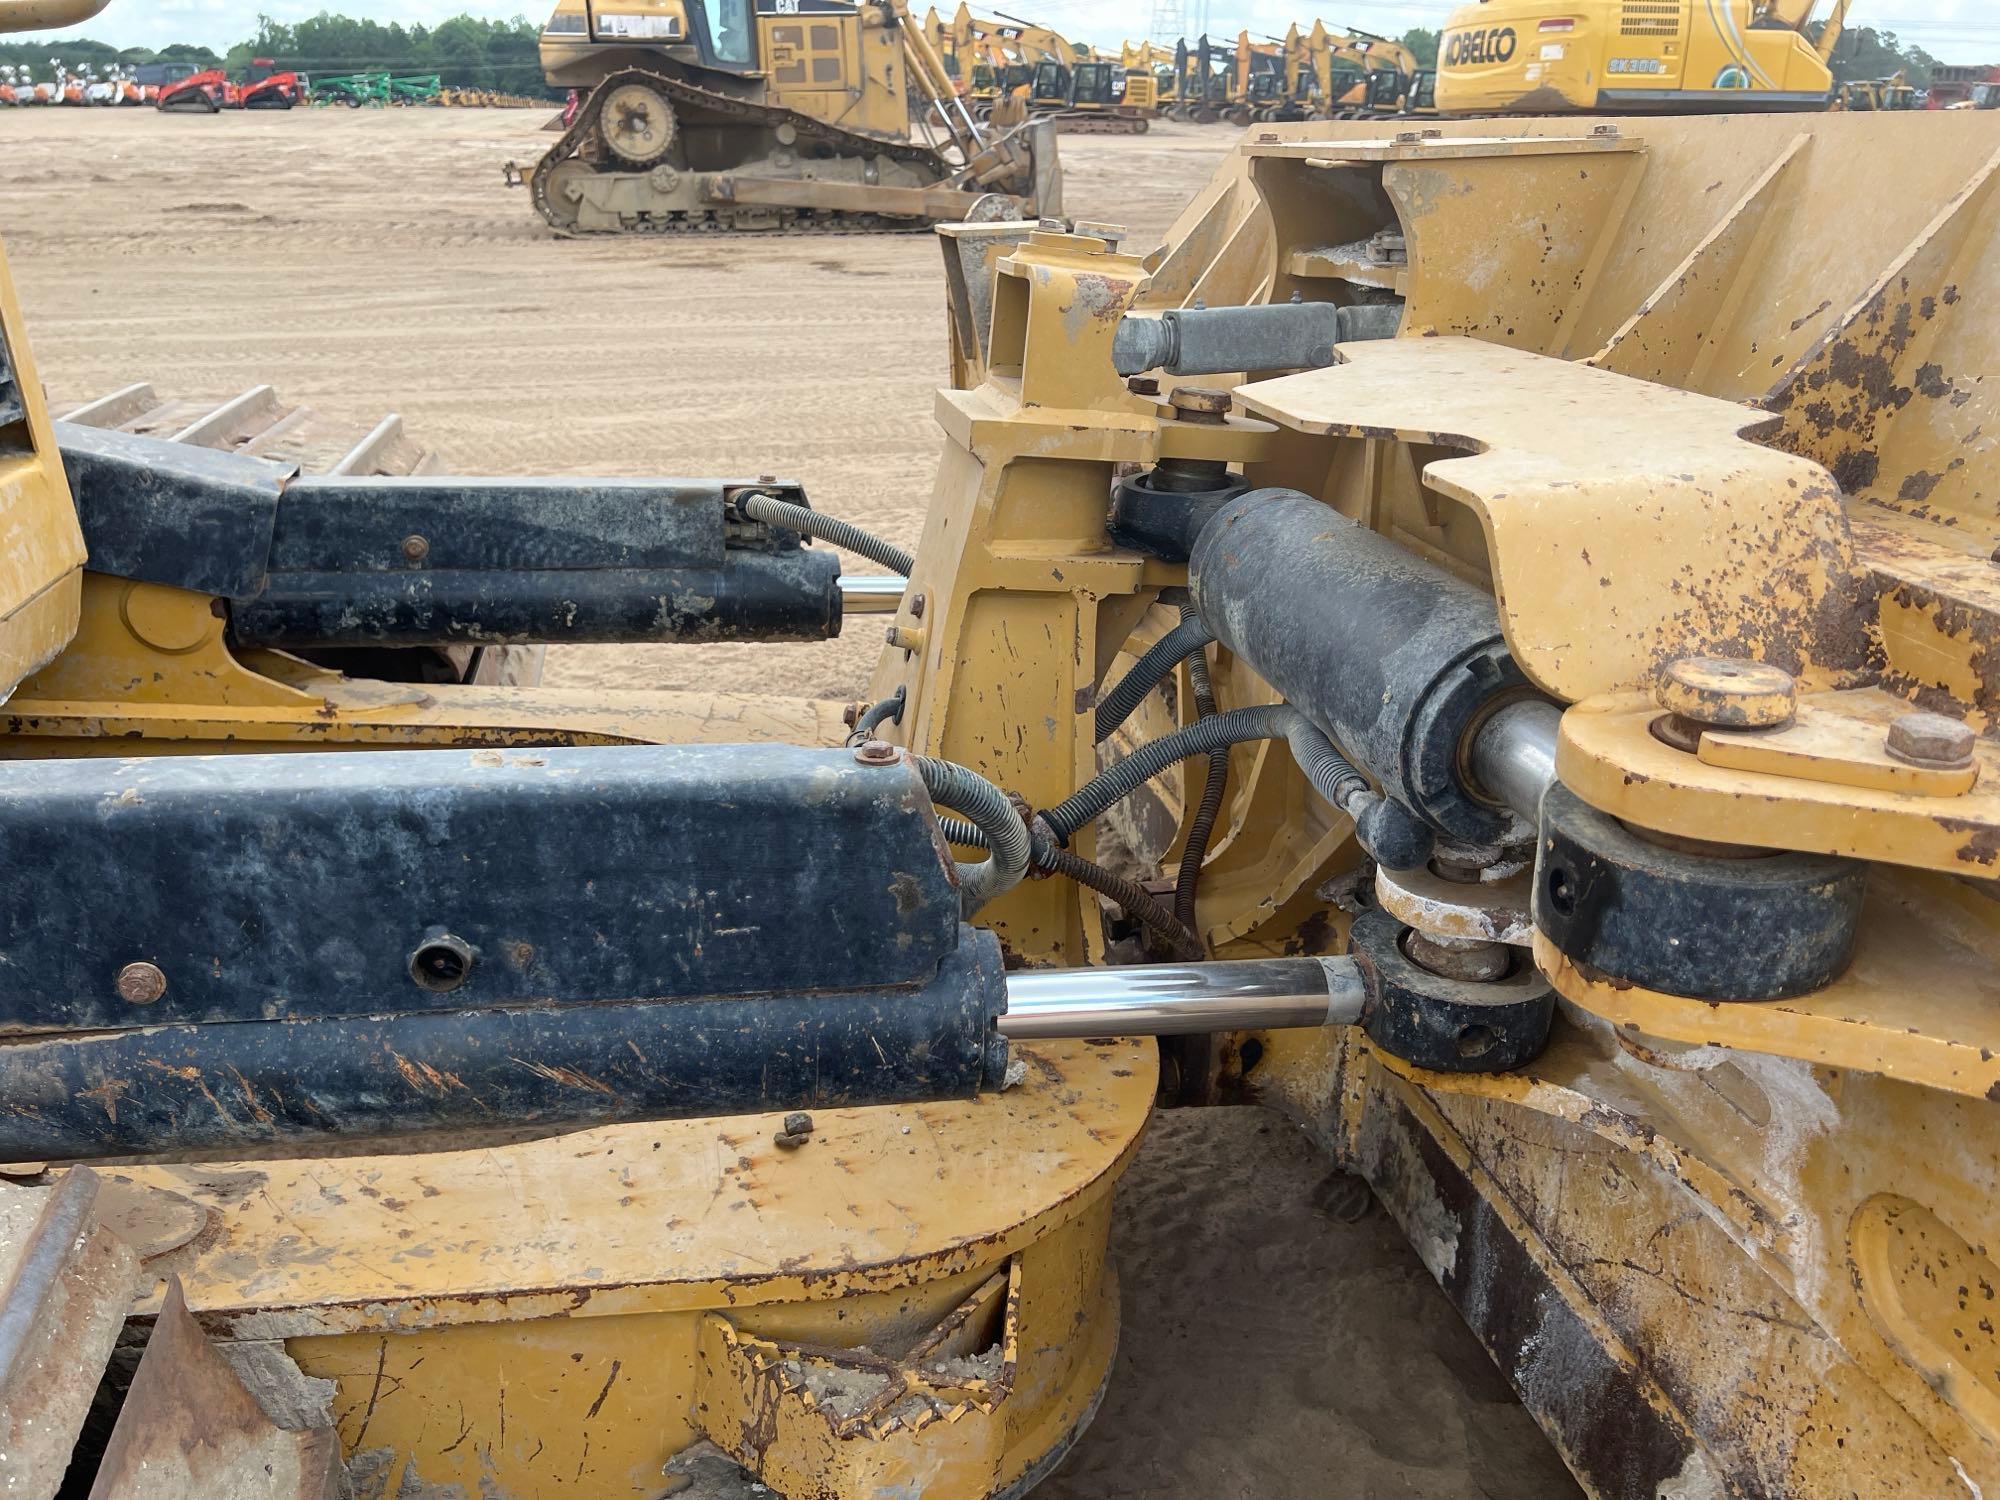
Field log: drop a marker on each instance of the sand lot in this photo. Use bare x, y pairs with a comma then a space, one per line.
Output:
372, 261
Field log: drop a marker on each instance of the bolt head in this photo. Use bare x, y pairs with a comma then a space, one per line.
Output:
1200, 400
1143, 385
1933, 740
416, 548
141, 983
1725, 693
875, 753
917, 607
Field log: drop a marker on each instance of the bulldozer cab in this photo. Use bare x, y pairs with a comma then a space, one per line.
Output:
723, 34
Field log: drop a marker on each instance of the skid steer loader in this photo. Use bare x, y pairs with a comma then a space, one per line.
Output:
702, 115
1497, 671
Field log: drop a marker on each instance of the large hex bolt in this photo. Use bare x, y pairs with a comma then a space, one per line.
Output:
1204, 405
1719, 692
1936, 742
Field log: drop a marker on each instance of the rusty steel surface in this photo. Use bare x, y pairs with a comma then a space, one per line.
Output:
66, 1284
189, 1429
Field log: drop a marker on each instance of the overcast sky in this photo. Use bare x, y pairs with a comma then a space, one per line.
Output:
1954, 30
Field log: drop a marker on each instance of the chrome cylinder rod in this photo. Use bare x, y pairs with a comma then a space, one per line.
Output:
1514, 756
1172, 999
869, 594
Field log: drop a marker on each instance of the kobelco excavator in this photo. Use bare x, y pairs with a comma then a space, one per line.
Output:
1636, 57
700, 115
1483, 641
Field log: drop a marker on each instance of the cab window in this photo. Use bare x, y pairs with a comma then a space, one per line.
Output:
729, 28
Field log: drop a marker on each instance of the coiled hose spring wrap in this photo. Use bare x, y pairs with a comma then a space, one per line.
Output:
1201, 828
989, 814
1185, 640
1390, 833
775, 512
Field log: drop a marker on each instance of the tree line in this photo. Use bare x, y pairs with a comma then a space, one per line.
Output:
1864, 52
465, 51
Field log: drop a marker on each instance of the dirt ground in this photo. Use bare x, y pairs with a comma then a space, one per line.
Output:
373, 261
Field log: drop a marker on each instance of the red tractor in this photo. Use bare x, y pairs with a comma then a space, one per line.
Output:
204, 92
267, 87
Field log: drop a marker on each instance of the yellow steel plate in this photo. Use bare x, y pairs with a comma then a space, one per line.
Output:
1627, 523
1607, 755
1943, 1033
665, 1216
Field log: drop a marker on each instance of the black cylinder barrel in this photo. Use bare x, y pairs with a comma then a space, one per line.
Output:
168, 1090
1392, 656
753, 596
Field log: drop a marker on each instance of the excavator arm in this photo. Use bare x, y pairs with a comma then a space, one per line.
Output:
46, 15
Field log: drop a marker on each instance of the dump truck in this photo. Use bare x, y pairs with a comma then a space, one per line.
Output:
1529, 57
1584, 829
699, 115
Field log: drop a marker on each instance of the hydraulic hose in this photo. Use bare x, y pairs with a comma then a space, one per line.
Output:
775, 512
1168, 652
1390, 833
889, 710
1138, 903
989, 812
1201, 828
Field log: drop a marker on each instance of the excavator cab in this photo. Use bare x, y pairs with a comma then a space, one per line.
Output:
1096, 85
1423, 96
1343, 83
1051, 86
1386, 92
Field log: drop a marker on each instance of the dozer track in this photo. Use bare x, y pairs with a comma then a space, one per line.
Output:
762, 192
1084, 122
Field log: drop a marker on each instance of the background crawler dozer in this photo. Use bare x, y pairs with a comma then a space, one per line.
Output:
719, 114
